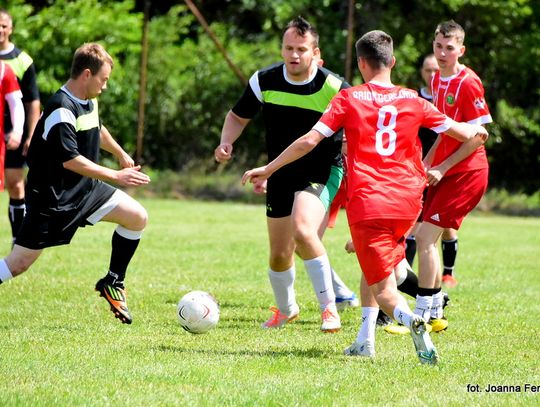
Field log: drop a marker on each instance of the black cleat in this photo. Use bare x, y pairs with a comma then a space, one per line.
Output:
383, 319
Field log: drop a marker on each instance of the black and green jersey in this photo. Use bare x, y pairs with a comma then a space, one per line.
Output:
68, 127
290, 110
22, 64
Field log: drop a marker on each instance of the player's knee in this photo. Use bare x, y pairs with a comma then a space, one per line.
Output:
280, 260
15, 188
424, 242
303, 235
140, 218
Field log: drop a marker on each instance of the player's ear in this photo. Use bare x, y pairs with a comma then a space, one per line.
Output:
393, 62
462, 51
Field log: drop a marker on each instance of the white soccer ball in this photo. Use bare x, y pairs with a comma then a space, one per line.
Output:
198, 312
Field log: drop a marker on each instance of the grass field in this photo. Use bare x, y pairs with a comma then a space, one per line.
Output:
61, 346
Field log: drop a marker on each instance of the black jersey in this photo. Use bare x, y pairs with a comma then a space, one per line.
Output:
22, 64
290, 110
68, 127
427, 136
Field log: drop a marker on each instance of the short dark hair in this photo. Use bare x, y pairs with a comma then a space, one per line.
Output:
450, 29
89, 56
302, 27
376, 47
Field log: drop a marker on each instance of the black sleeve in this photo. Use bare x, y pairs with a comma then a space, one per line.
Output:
29, 86
63, 141
248, 105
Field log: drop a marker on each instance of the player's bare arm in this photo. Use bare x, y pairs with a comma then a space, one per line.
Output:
296, 150
233, 127
32, 110
109, 144
125, 177
436, 173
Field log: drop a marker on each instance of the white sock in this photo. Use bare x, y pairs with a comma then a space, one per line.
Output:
423, 306
5, 274
436, 307
403, 315
340, 289
283, 286
319, 272
369, 323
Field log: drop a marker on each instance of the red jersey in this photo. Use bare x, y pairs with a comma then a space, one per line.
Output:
8, 84
460, 97
386, 176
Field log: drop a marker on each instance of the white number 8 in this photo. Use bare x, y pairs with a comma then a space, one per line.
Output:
386, 129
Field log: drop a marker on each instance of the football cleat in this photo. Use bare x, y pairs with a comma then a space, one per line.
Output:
446, 300
449, 280
365, 349
398, 329
438, 324
347, 302
116, 297
278, 319
330, 319
422, 342
383, 319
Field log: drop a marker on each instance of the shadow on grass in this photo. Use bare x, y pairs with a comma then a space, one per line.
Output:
312, 353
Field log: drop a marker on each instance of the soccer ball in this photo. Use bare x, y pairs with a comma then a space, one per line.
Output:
198, 312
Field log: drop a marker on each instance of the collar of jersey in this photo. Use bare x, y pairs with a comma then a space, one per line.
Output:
449, 78
9, 49
72, 96
308, 80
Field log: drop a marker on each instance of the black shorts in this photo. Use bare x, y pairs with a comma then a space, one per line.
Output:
43, 227
15, 158
281, 190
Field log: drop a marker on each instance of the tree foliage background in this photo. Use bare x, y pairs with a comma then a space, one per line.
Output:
190, 87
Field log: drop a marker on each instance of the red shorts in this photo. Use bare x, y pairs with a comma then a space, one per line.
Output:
448, 202
380, 246
2, 158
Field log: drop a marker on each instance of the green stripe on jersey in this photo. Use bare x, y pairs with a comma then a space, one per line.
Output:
20, 64
88, 121
317, 101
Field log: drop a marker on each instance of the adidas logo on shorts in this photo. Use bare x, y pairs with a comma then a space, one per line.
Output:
436, 218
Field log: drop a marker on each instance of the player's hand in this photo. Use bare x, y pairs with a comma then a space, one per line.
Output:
26, 146
132, 177
434, 175
223, 152
349, 246
259, 186
13, 140
482, 132
256, 175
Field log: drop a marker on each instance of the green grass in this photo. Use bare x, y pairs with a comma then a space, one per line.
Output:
60, 345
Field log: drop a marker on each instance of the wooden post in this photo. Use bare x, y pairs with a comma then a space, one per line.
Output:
212, 35
142, 82
350, 39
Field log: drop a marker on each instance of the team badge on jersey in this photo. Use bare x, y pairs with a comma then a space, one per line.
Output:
450, 99
479, 103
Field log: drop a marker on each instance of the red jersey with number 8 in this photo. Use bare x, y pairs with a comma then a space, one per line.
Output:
386, 176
